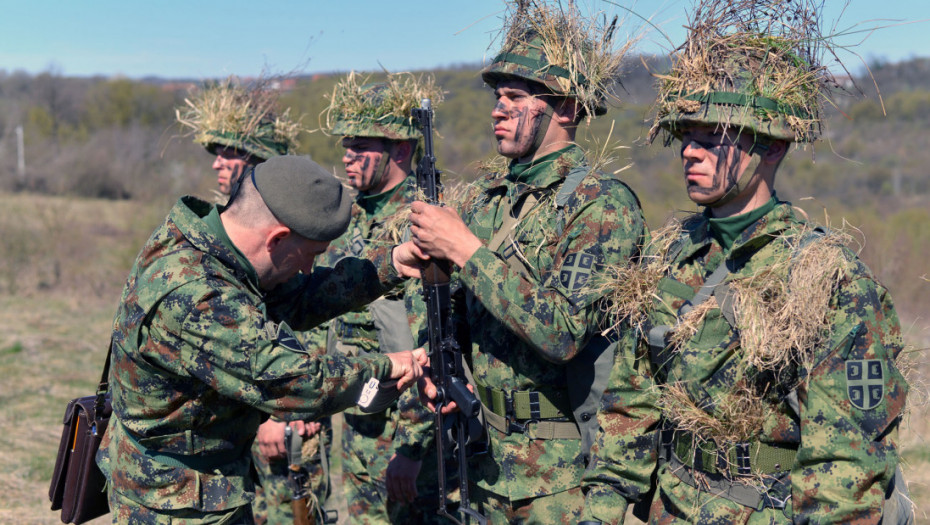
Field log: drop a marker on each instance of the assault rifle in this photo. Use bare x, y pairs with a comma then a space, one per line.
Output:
445, 355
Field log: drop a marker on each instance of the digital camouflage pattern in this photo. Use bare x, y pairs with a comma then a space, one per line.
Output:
201, 355
846, 451
368, 439
526, 325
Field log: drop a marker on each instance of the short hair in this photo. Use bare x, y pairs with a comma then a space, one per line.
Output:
247, 206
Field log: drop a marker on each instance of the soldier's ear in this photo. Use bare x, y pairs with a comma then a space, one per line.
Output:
566, 111
775, 152
275, 236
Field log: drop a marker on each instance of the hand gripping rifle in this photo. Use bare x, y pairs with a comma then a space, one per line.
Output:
445, 355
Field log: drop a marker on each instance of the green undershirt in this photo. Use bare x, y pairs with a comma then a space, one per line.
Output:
727, 229
372, 204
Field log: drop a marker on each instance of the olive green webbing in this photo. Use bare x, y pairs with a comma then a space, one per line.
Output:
739, 99
764, 458
533, 429
526, 404
534, 64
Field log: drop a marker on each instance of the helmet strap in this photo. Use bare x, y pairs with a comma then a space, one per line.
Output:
737, 186
544, 120
381, 170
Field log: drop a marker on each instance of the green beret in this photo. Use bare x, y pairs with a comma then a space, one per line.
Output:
304, 197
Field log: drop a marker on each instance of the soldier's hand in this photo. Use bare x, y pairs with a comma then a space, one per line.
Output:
271, 439
428, 392
439, 232
407, 367
401, 479
306, 429
408, 259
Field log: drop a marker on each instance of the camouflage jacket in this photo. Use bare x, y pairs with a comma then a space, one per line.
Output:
201, 356
374, 224
525, 325
824, 419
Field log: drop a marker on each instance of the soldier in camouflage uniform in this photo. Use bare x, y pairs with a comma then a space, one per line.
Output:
203, 347
769, 347
380, 139
528, 246
243, 129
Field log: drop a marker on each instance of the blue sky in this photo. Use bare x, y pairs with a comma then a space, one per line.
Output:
205, 39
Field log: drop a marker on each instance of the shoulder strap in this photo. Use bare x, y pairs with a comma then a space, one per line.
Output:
104, 386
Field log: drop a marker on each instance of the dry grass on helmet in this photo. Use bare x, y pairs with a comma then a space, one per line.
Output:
403, 92
585, 46
761, 48
228, 107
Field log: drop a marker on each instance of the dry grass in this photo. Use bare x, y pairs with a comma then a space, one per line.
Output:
782, 311
630, 290
759, 48
353, 102
228, 107
586, 46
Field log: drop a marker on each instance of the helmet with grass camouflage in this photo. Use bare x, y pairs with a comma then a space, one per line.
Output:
733, 72
379, 110
527, 61
740, 100
553, 45
228, 115
261, 142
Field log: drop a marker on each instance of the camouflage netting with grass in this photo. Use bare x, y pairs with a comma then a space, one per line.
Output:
358, 108
228, 114
781, 313
554, 44
755, 65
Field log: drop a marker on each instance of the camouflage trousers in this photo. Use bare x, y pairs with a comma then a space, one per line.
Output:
562, 507
273, 496
366, 451
127, 512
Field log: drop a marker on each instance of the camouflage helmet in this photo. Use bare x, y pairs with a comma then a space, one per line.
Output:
731, 72
554, 46
228, 115
380, 110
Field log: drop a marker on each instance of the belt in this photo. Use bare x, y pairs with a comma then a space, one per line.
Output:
538, 414
740, 459
775, 497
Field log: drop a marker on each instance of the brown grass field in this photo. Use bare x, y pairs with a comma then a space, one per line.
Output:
62, 266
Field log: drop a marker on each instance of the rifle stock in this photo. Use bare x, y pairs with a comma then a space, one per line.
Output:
445, 355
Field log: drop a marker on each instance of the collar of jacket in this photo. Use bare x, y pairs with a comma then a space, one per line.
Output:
372, 204
540, 173
199, 222
751, 240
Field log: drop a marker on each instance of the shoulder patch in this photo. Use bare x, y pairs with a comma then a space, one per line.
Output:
357, 243
576, 269
865, 382
283, 337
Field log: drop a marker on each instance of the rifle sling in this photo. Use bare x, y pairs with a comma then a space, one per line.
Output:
509, 223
